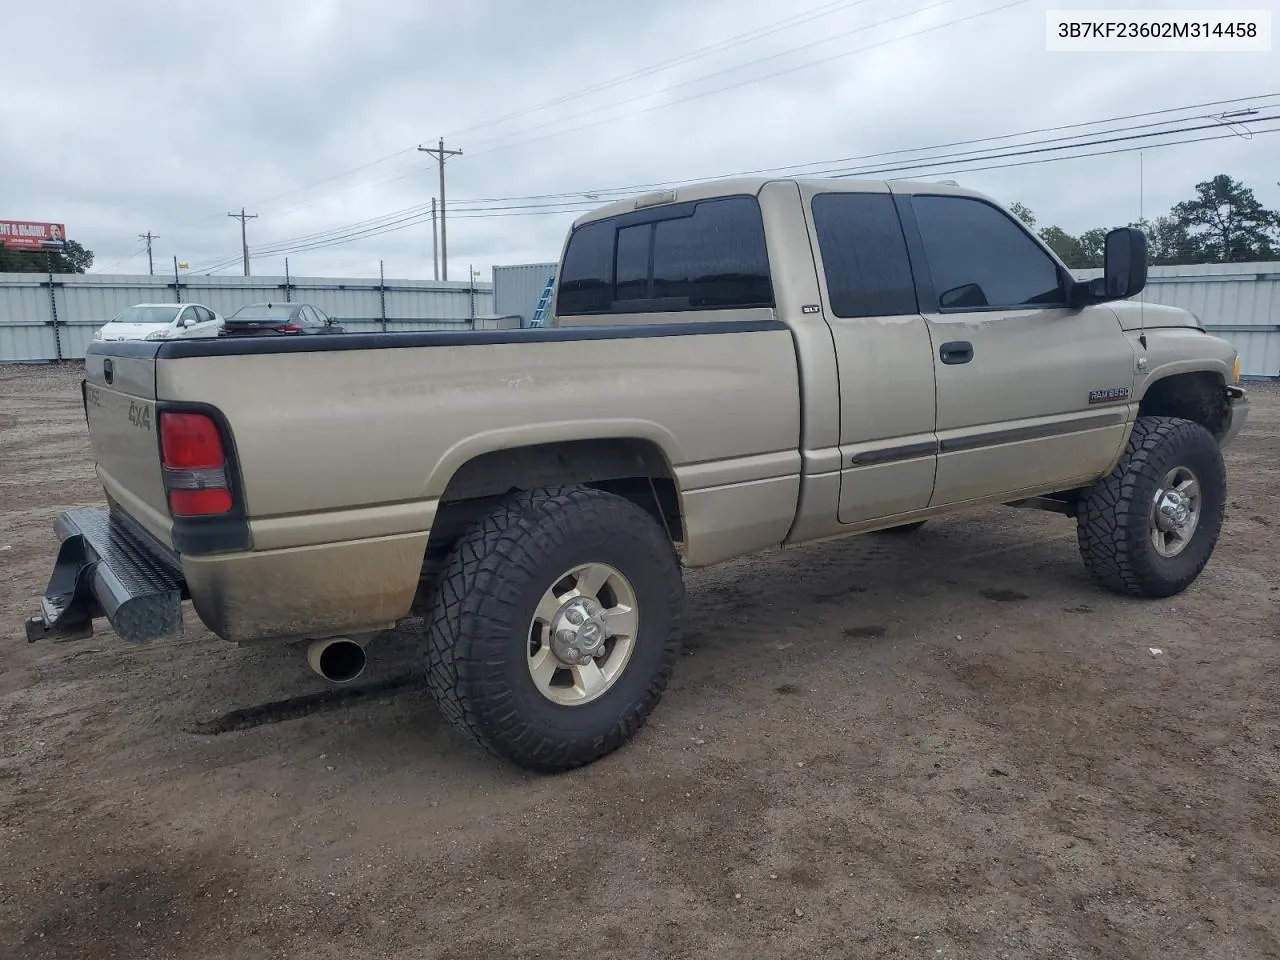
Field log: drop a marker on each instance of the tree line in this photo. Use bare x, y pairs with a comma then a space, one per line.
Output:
1223, 223
73, 258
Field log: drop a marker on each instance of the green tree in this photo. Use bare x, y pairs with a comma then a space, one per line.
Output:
1093, 245
1064, 245
1169, 243
74, 258
1227, 223
77, 257
1023, 213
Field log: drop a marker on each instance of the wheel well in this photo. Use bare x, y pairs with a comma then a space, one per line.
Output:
1198, 397
631, 468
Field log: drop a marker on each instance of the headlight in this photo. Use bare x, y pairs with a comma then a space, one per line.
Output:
157, 335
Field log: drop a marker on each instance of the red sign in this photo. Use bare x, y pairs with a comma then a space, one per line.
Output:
27, 235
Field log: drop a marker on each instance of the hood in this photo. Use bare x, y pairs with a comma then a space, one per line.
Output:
132, 331
1134, 315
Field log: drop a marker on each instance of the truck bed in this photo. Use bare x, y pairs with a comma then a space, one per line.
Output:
348, 443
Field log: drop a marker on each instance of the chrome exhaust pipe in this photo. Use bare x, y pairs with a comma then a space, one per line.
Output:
337, 659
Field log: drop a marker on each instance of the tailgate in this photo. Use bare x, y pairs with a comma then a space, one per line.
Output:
120, 406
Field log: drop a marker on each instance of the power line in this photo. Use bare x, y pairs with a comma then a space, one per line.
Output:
597, 192
769, 29
587, 198
769, 76
122, 260
505, 146
725, 70
394, 224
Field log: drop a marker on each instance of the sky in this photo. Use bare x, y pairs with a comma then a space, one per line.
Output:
126, 117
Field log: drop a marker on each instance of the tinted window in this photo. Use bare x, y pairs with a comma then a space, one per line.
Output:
693, 256
864, 255
632, 264
586, 276
980, 258
715, 258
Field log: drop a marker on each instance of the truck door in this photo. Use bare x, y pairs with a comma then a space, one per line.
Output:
883, 354
1032, 393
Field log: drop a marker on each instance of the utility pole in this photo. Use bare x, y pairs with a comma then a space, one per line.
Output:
148, 237
435, 242
441, 154
244, 236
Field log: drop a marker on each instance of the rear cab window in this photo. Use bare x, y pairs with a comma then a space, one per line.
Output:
698, 255
864, 255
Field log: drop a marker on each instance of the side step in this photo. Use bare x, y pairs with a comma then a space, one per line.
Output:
107, 567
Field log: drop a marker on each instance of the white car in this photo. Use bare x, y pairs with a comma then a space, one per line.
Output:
161, 321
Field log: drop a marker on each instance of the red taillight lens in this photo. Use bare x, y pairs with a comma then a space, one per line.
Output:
289, 328
195, 473
190, 441
199, 503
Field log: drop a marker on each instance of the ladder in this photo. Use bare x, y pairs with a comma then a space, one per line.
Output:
544, 304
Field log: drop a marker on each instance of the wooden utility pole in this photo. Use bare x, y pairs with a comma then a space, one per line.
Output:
244, 218
148, 237
435, 242
441, 154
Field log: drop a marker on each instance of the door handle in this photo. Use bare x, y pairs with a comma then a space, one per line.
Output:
956, 351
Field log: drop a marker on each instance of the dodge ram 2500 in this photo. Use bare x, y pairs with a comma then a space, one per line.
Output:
730, 367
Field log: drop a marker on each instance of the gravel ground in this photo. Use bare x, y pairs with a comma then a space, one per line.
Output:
944, 745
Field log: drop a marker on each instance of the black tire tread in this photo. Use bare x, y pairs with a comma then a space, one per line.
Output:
473, 594
1112, 525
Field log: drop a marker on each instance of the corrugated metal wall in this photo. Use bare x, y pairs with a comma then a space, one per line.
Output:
1239, 302
81, 303
516, 289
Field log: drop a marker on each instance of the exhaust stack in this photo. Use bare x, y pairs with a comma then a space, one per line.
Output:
337, 659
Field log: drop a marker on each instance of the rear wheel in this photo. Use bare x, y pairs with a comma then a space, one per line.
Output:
1150, 526
555, 627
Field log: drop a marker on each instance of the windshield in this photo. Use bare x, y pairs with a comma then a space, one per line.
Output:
146, 315
263, 311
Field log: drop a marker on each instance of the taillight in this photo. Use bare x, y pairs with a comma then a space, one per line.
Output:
195, 465
288, 328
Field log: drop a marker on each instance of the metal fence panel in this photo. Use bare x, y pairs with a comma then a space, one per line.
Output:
37, 326
27, 341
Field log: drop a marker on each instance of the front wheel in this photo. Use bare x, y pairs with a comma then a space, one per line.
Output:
1149, 527
555, 627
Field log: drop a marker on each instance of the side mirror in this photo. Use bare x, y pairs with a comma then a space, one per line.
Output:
1124, 263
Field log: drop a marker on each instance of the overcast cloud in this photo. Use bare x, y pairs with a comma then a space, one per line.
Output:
126, 116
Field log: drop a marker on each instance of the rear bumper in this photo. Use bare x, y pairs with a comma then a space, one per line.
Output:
108, 567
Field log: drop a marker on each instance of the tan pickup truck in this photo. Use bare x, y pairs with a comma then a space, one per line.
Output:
731, 366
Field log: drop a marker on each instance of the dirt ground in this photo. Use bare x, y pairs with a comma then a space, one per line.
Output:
944, 745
